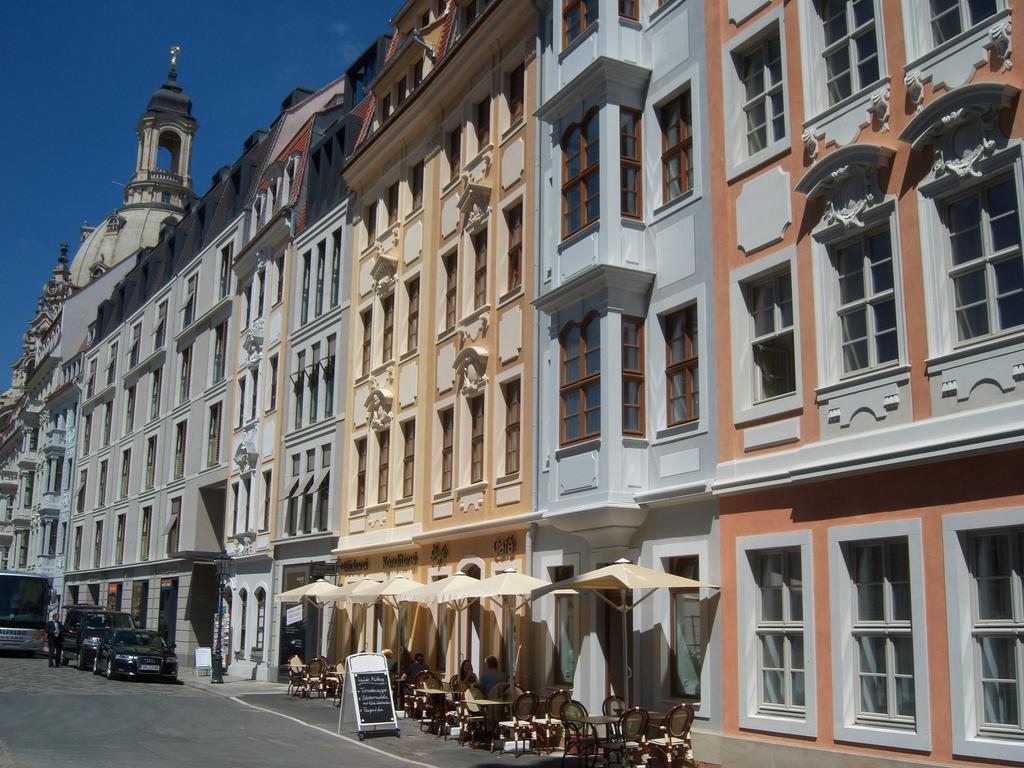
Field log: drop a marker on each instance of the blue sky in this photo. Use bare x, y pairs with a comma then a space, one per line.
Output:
75, 76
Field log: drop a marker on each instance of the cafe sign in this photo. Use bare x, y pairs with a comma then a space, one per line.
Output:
439, 554
505, 548
400, 561
354, 564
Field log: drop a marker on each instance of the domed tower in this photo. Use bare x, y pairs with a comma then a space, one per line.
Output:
160, 189
164, 158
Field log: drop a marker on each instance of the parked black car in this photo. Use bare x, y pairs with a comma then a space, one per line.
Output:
84, 628
135, 653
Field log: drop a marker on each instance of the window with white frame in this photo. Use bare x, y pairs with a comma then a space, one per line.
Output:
866, 301
996, 562
770, 303
849, 46
985, 265
764, 111
880, 576
948, 18
780, 631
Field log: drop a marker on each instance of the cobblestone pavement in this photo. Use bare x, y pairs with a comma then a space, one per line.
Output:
34, 678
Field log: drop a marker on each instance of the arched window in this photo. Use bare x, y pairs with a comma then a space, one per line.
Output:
261, 618
243, 599
168, 152
581, 181
581, 380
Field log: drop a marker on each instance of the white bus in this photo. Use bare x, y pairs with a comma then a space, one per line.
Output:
24, 600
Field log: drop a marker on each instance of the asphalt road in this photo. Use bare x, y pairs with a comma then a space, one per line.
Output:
50, 718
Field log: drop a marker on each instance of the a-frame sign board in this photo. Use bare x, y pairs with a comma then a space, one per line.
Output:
367, 695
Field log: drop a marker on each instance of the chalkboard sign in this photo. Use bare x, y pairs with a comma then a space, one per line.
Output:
367, 695
373, 698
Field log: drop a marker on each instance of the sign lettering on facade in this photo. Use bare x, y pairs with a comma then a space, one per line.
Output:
404, 560
505, 548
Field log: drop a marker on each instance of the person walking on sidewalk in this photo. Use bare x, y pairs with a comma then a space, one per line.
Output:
54, 640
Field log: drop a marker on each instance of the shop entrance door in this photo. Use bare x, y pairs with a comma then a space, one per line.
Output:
168, 623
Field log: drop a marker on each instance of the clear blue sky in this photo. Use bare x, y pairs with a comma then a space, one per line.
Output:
75, 76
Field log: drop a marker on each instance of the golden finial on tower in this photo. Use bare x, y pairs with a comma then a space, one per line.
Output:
175, 50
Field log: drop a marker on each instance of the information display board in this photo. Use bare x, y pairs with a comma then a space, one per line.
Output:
367, 698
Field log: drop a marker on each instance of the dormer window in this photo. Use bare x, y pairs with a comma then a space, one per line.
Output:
403, 90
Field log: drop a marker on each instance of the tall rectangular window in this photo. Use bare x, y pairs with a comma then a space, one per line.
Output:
361, 473
633, 390
147, 533
97, 544
155, 385
388, 336
328, 366
391, 204
90, 382
367, 341
267, 500
150, 461
160, 328
951, 17
77, 558
580, 393
476, 452
986, 267
416, 185
108, 421
516, 88
408, 458
220, 349
676, 147
83, 481
335, 266
241, 401
630, 9
482, 121
770, 304
480, 269
581, 181
371, 223
455, 151
119, 541
996, 562
447, 419
180, 438
298, 388
763, 107
880, 573
567, 629
224, 277
851, 46
213, 435
412, 330
86, 433
383, 465
272, 385
577, 16
188, 311
682, 371
630, 160
126, 470
511, 392
514, 222
185, 369
780, 631
129, 409
304, 307
321, 268
174, 535
450, 290
866, 306
688, 639
279, 293
133, 350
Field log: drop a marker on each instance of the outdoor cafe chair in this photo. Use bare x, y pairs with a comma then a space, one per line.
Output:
676, 740
549, 723
472, 722
580, 737
628, 741
333, 680
296, 676
521, 727
613, 706
409, 703
657, 757
426, 706
314, 676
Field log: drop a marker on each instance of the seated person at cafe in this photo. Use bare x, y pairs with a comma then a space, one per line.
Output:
415, 668
491, 675
392, 661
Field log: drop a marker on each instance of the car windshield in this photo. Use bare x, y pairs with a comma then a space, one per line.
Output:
109, 621
143, 639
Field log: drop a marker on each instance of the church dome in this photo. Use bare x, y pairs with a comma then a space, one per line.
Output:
170, 97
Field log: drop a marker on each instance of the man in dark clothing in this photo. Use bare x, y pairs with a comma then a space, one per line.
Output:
54, 640
491, 675
416, 667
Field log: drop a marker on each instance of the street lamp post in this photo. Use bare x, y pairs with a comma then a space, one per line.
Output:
222, 564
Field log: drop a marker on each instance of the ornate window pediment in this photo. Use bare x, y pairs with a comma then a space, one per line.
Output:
382, 272
115, 223
962, 126
470, 365
252, 344
847, 180
246, 454
474, 202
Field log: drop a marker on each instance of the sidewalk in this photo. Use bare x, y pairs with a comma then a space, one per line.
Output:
413, 745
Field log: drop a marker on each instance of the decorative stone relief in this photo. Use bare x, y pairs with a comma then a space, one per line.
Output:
914, 81
246, 455
377, 519
852, 189
810, 144
379, 408
470, 365
472, 330
472, 502
243, 543
879, 108
252, 344
382, 272
763, 210
1000, 44
962, 139
1005, 371
474, 205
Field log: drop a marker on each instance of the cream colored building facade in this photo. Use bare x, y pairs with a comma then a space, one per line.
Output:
438, 435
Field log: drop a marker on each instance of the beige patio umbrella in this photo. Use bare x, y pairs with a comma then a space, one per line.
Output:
502, 587
318, 592
353, 593
624, 577
390, 592
445, 591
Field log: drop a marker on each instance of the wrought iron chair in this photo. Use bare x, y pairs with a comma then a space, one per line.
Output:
676, 739
580, 738
521, 727
549, 724
628, 742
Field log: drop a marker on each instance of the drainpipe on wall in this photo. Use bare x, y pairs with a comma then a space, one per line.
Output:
537, 242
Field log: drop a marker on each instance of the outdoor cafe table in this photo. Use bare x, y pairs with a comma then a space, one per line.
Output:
608, 721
